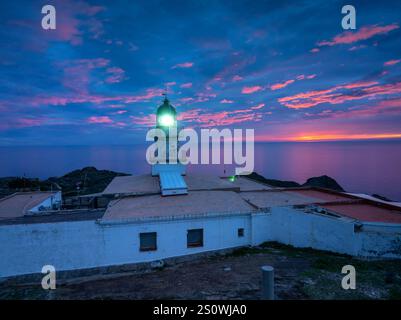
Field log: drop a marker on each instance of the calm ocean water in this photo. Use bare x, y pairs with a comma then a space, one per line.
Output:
368, 166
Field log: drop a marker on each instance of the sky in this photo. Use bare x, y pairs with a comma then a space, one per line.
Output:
286, 69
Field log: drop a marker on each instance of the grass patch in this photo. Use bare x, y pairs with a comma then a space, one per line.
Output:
246, 251
394, 293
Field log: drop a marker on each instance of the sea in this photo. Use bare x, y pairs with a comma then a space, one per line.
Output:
372, 167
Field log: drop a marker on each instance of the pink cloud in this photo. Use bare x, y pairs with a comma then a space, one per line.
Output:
116, 101
146, 120
77, 73
353, 48
314, 50
249, 90
224, 118
360, 84
31, 122
363, 33
281, 85
385, 107
116, 75
230, 71
199, 97
73, 19
284, 84
115, 106
150, 93
186, 85
99, 120
183, 65
186, 100
119, 124
120, 112
257, 107
366, 89
226, 101
391, 62
201, 118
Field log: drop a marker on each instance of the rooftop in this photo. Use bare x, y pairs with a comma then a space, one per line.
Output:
245, 184
195, 203
18, 204
139, 197
136, 185
147, 184
57, 216
366, 212
323, 196
368, 197
278, 198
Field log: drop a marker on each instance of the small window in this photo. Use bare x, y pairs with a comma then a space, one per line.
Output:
240, 232
195, 238
148, 241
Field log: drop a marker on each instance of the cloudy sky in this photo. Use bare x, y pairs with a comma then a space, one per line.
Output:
285, 68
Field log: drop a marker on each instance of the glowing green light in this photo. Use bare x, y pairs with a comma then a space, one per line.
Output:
166, 120
232, 178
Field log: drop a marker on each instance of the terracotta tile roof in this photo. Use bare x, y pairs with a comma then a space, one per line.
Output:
366, 212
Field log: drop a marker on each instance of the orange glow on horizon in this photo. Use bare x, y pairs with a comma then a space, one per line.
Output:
332, 137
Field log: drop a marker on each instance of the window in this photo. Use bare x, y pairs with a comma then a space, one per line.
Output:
195, 238
240, 232
148, 241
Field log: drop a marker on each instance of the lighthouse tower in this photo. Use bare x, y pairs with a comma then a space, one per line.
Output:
171, 171
166, 120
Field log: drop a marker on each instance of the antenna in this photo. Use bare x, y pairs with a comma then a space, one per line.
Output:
165, 91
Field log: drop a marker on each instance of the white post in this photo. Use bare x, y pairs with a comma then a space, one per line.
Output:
267, 283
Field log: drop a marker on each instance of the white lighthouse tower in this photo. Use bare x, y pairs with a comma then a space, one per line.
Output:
170, 172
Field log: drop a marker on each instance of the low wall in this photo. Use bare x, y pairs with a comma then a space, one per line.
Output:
379, 240
25, 249
341, 235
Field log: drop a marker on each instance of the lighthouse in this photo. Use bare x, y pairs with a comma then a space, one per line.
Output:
166, 120
170, 172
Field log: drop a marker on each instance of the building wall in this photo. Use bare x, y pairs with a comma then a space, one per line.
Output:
380, 240
25, 249
48, 203
296, 228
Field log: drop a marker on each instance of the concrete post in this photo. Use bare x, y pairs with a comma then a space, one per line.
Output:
267, 283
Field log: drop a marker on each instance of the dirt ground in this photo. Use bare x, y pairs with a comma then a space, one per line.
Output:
299, 274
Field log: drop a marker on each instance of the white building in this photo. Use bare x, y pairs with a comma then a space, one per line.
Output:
141, 225
21, 204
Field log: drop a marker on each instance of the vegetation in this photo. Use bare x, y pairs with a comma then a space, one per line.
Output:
78, 182
274, 183
322, 182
